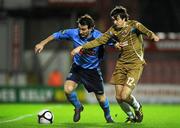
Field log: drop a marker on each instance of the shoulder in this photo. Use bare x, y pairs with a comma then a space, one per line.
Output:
112, 30
70, 30
133, 22
97, 33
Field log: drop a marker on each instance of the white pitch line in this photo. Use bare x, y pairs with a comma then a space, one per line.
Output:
23, 117
18, 118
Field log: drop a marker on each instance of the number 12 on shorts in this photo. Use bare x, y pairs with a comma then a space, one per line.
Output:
130, 81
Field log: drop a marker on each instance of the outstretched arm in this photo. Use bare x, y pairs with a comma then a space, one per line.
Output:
146, 31
62, 34
94, 43
97, 42
40, 46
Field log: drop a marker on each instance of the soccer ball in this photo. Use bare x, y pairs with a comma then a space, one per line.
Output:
45, 117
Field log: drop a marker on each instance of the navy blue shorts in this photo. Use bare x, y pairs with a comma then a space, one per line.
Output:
90, 78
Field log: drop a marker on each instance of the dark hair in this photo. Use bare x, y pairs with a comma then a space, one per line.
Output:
86, 20
119, 11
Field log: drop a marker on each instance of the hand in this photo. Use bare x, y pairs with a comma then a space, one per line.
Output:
118, 46
155, 38
39, 47
76, 51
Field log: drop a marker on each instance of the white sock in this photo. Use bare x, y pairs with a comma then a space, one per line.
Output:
135, 104
126, 108
130, 114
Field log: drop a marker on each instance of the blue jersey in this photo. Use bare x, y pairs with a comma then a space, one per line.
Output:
91, 58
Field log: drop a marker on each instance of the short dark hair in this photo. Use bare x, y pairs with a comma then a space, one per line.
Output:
86, 20
119, 11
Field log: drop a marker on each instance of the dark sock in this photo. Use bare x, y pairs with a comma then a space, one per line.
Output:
105, 107
72, 98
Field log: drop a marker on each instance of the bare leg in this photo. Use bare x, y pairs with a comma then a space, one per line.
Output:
129, 98
124, 106
69, 88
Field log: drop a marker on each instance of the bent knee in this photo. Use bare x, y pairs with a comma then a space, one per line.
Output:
124, 97
68, 89
101, 98
118, 98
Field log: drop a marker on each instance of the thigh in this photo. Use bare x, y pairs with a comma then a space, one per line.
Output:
118, 89
74, 74
92, 80
119, 75
133, 76
126, 92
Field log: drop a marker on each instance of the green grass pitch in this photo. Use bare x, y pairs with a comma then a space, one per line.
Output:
25, 116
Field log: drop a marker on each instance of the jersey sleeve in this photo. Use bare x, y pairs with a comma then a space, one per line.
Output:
143, 29
110, 42
63, 34
99, 41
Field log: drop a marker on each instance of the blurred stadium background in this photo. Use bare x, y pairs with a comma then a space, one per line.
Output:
26, 77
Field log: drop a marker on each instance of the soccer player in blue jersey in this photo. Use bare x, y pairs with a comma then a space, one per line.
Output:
86, 65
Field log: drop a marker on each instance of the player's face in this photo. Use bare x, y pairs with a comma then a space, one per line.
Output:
84, 30
118, 22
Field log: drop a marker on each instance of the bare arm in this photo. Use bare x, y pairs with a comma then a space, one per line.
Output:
40, 46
